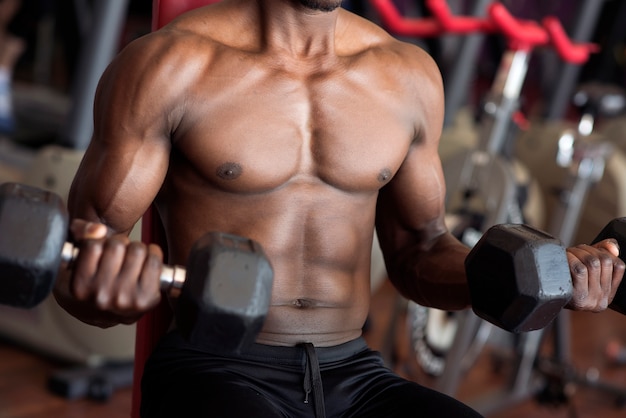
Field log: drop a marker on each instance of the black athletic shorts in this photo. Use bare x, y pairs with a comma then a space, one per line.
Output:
349, 380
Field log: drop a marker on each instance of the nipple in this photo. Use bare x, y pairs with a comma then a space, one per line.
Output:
384, 175
229, 171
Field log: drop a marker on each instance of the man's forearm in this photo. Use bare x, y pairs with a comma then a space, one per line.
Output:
434, 278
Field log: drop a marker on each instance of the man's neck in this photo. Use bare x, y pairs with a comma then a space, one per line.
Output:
290, 27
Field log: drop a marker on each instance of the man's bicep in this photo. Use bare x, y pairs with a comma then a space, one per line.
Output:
127, 159
416, 194
418, 189
411, 208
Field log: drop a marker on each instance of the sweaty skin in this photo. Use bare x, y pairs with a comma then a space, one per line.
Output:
301, 129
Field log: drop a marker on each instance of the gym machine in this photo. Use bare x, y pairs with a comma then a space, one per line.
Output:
471, 174
95, 355
549, 377
482, 183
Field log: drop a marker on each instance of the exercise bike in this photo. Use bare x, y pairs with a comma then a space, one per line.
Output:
484, 190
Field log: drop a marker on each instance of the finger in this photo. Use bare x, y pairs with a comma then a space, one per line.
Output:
579, 273
607, 262
139, 277
85, 268
612, 246
105, 281
619, 267
128, 278
606, 252
595, 267
149, 283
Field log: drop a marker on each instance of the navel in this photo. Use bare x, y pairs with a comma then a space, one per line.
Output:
384, 175
229, 171
303, 303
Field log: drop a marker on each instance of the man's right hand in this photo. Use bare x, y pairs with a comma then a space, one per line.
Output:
113, 280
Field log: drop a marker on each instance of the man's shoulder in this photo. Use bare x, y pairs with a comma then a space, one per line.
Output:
404, 68
211, 26
169, 50
157, 69
367, 37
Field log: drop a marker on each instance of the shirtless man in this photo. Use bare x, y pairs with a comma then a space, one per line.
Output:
301, 126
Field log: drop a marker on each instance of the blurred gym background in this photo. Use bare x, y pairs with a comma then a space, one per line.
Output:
52, 53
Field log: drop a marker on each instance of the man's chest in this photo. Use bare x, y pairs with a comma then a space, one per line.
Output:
340, 130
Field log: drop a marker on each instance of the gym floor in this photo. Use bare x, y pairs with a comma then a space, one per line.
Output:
24, 374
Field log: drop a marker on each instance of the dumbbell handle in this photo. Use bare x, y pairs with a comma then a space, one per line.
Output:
171, 280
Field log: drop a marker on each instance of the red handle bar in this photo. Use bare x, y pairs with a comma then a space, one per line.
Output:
422, 27
570, 52
449, 23
521, 34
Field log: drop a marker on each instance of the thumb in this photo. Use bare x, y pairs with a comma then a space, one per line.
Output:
610, 245
82, 229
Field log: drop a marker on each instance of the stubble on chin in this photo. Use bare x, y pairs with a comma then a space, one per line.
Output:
321, 5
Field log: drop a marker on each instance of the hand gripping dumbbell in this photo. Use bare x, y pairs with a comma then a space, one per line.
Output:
519, 277
223, 293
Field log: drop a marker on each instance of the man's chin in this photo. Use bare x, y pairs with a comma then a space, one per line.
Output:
321, 5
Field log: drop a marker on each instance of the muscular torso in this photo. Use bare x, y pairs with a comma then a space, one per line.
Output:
291, 153
295, 162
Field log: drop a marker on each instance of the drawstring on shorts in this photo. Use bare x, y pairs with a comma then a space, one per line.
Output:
313, 380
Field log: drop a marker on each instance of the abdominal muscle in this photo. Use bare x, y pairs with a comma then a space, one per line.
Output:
321, 297
323, 320
319, 248
321, 285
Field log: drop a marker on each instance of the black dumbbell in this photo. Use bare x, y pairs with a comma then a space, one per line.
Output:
519, 277
223, 293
